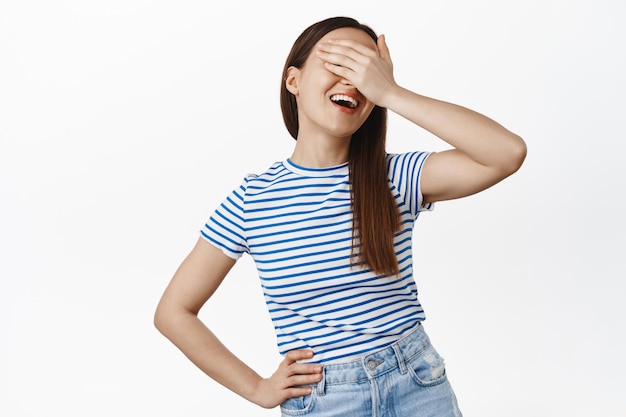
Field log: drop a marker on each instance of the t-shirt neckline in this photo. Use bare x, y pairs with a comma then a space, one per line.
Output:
341, 169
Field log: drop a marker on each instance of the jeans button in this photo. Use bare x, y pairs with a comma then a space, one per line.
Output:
372, 364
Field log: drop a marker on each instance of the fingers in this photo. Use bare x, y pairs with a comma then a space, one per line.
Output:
344, 53
305, 368
294, 369
341, 60
298, 392
291, 379
298, 355
348, 47
348, 58
300, 373
297, 381
337, 63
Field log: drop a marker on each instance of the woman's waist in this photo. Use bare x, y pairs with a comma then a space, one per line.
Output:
344, 345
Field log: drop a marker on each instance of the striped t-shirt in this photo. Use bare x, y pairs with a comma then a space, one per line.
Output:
296, 223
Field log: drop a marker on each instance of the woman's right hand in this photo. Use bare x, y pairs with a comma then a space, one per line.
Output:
288, 379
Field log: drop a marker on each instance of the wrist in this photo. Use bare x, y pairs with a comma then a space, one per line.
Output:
392, 97
259, 395
251, 390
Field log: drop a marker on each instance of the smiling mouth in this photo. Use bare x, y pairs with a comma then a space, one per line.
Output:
344, 101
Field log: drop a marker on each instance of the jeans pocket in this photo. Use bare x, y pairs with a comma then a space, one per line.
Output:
427, 367
298, 406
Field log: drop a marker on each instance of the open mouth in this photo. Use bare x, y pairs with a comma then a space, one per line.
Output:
344, 101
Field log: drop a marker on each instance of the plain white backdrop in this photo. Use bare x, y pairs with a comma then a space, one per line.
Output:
123, 123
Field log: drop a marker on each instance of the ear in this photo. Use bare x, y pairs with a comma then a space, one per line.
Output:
291, 80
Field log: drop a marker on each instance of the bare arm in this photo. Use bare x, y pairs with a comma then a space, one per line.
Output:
176, 317
483, 153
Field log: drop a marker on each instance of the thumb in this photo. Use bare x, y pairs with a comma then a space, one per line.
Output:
383, 50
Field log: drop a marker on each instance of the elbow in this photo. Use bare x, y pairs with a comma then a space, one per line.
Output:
159, 319
515, 155
169, 317
162, 319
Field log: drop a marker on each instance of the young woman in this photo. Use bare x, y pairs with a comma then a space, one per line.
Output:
329, 229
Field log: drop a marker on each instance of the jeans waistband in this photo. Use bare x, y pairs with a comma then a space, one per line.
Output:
378, 362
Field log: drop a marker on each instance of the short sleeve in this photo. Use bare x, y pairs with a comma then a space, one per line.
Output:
225, 228
404, 171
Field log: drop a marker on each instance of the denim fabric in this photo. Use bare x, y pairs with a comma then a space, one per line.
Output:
405, 379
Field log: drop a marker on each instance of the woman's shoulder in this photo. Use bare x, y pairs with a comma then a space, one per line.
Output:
405, 159
275, 173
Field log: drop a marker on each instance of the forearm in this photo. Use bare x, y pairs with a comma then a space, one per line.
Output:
480, 138
205, 350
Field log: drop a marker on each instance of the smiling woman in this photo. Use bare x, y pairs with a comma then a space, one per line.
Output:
330, 231
358, 135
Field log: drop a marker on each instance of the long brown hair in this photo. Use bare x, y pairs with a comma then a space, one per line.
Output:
375, 213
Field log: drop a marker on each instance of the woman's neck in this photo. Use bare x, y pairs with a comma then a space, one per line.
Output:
320, 151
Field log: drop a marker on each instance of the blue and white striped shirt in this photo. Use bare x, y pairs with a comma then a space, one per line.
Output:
296, 223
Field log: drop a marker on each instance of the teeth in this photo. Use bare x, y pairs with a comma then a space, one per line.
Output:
342, 97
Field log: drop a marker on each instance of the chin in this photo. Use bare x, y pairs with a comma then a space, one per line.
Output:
342, 132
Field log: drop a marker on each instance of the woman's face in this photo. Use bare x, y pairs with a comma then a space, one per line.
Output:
327, 103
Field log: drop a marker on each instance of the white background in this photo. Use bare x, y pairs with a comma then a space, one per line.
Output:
123, 123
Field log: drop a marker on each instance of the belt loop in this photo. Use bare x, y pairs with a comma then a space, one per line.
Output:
400, 358
321, 386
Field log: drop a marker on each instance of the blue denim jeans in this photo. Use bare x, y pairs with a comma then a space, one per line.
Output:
405, 379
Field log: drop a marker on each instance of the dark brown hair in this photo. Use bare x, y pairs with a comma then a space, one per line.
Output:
375, 212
